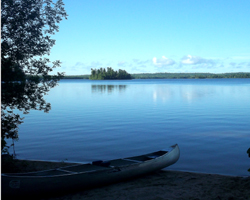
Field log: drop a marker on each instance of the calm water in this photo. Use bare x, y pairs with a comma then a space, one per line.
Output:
91, 120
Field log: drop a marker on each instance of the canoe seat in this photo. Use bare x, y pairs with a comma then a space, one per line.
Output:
101, 163
97, 162
152, 157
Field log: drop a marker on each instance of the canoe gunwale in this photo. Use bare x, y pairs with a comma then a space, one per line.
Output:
72, 173
17, 185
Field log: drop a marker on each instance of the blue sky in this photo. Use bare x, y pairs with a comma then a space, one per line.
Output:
143, 36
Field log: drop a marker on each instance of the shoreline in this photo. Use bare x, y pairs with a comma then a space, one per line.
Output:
166, 75
169, 185
163, 184
48, 164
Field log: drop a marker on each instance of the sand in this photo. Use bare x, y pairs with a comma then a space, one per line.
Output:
170, 185
158, 185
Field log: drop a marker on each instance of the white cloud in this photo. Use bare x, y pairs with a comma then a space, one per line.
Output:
121, 63
194, 60
163, 61
141, 62
233, 64
96, 64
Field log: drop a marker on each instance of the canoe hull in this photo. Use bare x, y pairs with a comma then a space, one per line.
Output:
36, 185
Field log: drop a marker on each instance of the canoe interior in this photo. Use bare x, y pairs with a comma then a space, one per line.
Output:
85, 168
150, 156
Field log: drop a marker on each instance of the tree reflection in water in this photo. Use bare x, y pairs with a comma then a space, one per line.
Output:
107, 88
24, 96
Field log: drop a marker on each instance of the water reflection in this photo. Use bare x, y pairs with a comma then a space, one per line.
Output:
141, 114
107, 88
186, 93
163, 92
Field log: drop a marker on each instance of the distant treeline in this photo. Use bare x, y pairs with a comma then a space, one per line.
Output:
76, 77
103, 74
172, 75
189, 75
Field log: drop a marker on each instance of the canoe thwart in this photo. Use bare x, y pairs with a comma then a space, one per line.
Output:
84, 176
101, 163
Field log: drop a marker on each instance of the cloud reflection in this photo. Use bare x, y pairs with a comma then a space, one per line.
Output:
186, 93
163, 93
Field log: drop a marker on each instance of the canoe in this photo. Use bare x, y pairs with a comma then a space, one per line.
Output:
84, 176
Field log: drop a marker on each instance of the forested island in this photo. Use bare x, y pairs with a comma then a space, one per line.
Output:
109, 74
104, 74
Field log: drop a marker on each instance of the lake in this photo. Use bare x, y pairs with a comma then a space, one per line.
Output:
92, 120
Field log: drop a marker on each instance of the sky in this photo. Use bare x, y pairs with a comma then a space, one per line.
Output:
146, 36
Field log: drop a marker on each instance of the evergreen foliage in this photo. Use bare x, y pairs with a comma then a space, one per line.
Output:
189, 75
109, 74
76, 77
173, 75
26, 29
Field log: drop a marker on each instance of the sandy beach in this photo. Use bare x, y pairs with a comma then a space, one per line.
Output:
159, 185
170, 185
